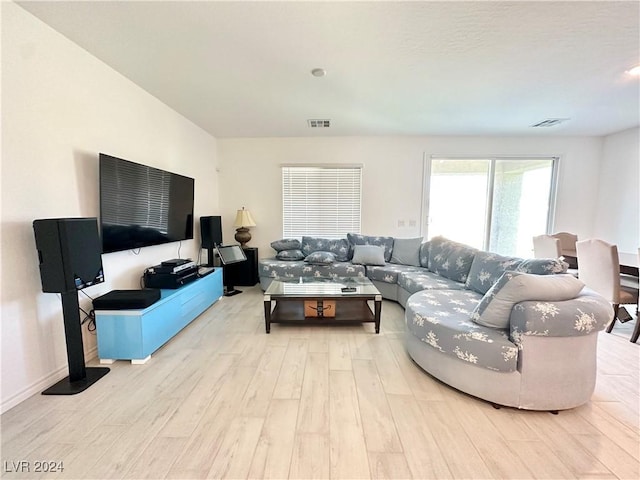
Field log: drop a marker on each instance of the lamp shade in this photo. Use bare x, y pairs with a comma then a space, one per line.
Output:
244, 219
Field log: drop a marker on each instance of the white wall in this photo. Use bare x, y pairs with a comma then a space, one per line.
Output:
618, 213
60, 108
392, 177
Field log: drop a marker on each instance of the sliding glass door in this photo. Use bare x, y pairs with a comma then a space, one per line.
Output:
496, 204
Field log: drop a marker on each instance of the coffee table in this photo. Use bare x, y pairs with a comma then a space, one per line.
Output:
290, 295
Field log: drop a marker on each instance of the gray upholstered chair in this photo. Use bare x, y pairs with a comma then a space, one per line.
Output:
599, 269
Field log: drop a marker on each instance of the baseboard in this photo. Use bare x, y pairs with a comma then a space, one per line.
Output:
43, 383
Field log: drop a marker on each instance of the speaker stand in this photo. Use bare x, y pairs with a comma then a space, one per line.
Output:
80, 377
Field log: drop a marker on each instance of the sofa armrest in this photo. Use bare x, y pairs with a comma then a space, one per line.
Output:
583, 315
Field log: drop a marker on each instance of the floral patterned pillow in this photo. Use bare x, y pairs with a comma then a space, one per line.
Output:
320, 258
494, 310
286, 244
543, 266
290, 255
385, 242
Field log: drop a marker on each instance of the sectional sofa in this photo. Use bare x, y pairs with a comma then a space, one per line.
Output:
513, 331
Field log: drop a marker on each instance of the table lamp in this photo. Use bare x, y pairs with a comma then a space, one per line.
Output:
244, 220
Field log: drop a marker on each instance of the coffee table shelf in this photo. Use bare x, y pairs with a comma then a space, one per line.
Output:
350, 307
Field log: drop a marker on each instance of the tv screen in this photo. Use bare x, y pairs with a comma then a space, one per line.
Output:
142, 206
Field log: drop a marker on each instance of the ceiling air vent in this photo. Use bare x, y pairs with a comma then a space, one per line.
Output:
319, 123
550, 122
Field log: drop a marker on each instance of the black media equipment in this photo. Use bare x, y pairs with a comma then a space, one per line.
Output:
142, 206
69, 258
230, 254
211, 236
126, 299
171, 274
211, 231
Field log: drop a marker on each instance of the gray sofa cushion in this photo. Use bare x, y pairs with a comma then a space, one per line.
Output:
290, 255
320, 258
422, 279
494, 310
368, 255
389, 272
424, 254
440, 318
487, 268
386, 242
273, 268
450, 259
338, 246
406, 251
286, 244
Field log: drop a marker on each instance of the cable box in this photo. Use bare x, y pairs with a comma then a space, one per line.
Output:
126, 299
170, 268
176, 262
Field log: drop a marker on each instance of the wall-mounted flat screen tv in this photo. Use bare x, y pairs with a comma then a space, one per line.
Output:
142, 206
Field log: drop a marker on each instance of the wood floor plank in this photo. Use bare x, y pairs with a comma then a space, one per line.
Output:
237, 447
272, 458
289, 383
311, 457
255, 402
392, 466
313, 414
390, 373
339, 353
416, 439
377, 421
346, 437
156, 460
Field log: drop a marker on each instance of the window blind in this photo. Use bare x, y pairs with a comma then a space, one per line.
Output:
321, 201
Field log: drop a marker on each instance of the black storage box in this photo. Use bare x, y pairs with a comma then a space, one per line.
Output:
127, 299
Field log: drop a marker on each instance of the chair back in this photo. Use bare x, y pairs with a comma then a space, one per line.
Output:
567, 243
546, 246
599, 268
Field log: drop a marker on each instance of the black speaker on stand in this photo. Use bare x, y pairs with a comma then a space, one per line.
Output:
69, 253
211, 236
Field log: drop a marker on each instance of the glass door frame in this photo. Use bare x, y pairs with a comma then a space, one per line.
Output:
426, 187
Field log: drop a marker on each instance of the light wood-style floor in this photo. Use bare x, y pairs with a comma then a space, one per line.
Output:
225, 400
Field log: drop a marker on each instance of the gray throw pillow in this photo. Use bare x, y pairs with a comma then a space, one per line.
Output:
368, 255
286, 244
338, 246
320, 258
290, 255
543, 266
494, 310
406, 251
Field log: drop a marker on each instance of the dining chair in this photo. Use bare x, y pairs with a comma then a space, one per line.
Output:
546, 246
599, 270
567, 242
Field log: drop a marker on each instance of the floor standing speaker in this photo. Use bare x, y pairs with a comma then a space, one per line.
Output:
211, 235
69, 255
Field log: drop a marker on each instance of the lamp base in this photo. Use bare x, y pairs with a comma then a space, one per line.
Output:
242, 236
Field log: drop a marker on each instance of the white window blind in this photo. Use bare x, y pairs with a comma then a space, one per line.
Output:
321, 200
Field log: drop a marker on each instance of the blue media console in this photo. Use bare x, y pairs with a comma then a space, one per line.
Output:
135, 334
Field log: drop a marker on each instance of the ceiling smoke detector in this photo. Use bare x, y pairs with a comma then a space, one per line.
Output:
550, 122
315, 123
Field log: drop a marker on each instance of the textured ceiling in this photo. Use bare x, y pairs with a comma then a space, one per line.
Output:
242, 69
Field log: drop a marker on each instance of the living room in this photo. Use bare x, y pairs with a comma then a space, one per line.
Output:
62, 106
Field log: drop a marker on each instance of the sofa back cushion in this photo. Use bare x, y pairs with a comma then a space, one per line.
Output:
424, 254
338, 246
450, 259
406, 251
487, 268
386, 242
